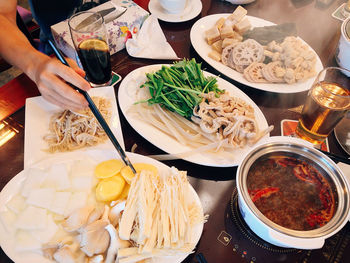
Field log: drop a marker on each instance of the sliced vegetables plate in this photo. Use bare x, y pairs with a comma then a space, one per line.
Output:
201, 46
127, 96
8, 239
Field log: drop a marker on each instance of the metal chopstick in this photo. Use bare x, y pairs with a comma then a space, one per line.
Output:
201, 259
336, 157
96, 112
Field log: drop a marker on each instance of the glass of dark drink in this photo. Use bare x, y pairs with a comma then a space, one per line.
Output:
90, 40
326, 104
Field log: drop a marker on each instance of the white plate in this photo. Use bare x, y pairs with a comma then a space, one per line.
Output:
127, 96
7, 241
192, 9
200, 44
37, 118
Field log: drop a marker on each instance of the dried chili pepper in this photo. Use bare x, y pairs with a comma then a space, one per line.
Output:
265, 192
285, 161
327, 199
303, 174
315, 220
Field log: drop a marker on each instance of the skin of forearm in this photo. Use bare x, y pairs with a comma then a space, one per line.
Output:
16, 49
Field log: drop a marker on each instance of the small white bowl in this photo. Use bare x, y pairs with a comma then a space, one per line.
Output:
173, 6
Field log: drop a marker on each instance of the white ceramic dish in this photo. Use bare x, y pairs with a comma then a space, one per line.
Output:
192, 9
127, 97
7, 241
240, 2
37, 118
200, 44
343, 50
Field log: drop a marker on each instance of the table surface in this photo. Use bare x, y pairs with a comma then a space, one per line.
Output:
214, 185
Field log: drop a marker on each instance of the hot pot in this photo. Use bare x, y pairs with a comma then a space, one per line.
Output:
274, 233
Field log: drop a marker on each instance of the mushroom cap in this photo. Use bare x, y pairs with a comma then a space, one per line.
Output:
94, 238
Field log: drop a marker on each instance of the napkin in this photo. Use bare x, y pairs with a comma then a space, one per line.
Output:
345, 169
150, 42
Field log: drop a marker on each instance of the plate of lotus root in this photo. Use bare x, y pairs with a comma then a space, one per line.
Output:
226, 42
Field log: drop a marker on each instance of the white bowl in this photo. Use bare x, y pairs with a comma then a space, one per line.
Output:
173, 6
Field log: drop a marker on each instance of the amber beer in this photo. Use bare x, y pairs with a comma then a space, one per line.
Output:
326, 105
95, 59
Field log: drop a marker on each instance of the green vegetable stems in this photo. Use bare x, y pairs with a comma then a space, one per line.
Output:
179, 86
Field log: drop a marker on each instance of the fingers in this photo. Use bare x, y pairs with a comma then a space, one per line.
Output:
72, 63
76, 68
55, 87
64, 102
68, 74
51, 79
80, 72
61, 103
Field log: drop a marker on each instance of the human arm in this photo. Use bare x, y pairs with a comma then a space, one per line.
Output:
49, 74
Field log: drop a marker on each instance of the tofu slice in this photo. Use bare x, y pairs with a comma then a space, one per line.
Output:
226, 32
215, 55
25, 242
217, 46
60, 202
212, 35
220, 23
238, 14
32, 218
77, 200
82, 183
16, 204
8, 219
41, 197
228, 41
45, 235
82, 168
35, 178
58, 177
243, 26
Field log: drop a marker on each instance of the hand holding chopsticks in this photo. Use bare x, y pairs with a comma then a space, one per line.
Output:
96, 113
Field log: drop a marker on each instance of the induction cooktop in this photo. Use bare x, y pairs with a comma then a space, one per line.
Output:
227, 238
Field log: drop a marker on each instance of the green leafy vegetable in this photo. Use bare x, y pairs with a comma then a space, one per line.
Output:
177, 87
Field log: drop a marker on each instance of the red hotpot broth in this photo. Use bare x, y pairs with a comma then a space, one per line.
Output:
292, 193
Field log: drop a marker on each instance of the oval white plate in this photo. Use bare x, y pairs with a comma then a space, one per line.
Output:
192, 9
7, 241
127, 97
201, 46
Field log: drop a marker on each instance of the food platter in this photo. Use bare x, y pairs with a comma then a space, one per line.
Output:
199, 43
127, 96
38, 114
7, 240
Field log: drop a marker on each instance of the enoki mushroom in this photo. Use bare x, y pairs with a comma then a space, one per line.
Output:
218, 126
70, 131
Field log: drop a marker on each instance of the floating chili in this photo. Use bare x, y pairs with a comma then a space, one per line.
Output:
265, 192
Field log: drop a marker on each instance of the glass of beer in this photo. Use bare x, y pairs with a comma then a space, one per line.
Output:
326, 104
90, 40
